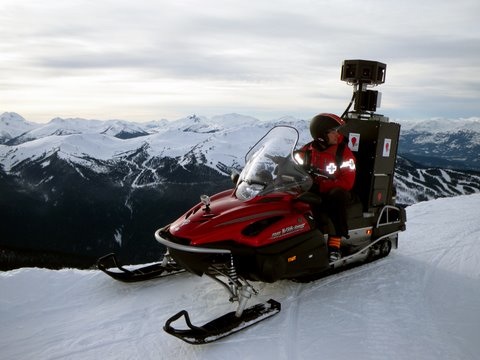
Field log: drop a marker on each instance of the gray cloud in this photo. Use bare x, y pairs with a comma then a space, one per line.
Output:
262, 54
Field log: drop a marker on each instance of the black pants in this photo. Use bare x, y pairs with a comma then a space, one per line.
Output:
334, 204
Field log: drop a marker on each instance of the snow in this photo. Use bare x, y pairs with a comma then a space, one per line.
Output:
118, 236
421, 302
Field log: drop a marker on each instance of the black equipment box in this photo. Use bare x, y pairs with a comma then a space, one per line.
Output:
374, 144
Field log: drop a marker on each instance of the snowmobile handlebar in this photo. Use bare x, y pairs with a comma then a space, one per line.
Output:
314, 172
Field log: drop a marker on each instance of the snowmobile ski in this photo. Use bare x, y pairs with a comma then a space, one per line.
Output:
222, 326
148, 272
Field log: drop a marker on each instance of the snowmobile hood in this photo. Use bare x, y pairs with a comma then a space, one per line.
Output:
230, 219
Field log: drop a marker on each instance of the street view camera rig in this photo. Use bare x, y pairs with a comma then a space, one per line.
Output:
362, 74
371, 137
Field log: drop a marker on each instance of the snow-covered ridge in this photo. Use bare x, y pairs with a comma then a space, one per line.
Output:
22, 131
441, 125
13, 125
221, 139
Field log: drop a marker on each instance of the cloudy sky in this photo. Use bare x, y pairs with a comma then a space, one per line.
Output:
153, 59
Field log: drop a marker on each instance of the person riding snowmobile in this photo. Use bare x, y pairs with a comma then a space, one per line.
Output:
332, 166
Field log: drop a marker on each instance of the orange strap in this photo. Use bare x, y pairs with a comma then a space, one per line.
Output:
334, 242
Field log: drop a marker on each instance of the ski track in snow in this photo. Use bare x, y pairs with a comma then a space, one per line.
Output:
421, 302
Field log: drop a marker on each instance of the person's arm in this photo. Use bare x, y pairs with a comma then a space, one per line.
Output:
344, 177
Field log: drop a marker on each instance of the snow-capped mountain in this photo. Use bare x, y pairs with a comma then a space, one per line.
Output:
91, 186
13, 125
443, 143
61, 127
220, 142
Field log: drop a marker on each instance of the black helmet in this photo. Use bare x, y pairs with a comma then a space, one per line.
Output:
321, 124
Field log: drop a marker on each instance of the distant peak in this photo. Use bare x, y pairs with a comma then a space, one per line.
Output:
57, 120
194, 117
12, 116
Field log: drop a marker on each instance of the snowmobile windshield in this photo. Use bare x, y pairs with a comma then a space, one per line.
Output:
270, 167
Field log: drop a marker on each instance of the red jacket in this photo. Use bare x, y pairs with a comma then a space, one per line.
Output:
341, 175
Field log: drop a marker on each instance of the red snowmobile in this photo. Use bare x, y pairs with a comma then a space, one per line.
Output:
264, 229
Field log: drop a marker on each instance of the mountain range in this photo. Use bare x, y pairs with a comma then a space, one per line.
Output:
75, 189
444, 143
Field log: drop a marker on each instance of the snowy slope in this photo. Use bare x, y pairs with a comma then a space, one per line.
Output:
421, 302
